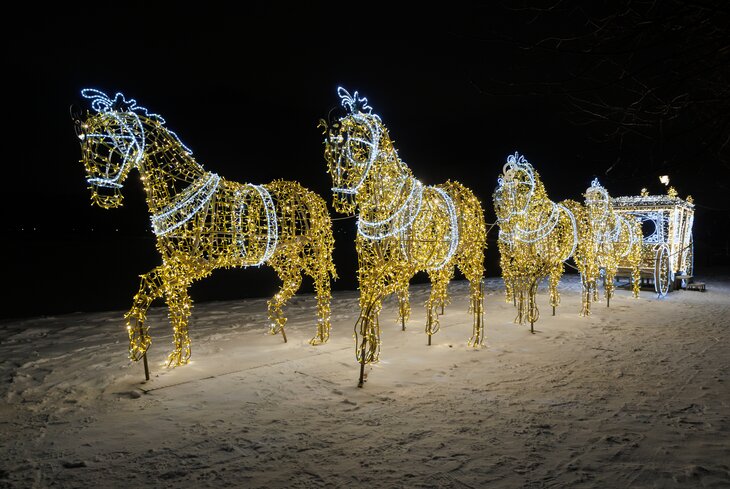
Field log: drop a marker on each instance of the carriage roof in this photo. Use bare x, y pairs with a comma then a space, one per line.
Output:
651, 203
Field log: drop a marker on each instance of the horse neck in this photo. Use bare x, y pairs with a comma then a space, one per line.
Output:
511, 221
167, 168
538, 198
375, 193
605, 224
523, 225
611, 220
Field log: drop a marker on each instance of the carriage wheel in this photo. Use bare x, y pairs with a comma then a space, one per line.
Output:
662, 271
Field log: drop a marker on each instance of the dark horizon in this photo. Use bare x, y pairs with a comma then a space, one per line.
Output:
458, 94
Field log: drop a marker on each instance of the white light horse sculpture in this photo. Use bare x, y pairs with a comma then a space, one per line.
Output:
536, 236
202, 221
403, 226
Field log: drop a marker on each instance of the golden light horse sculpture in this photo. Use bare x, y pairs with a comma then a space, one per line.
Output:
606, 238
536, 236
202, 221
403, 226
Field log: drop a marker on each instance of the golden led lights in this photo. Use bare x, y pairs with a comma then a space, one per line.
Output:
536, 236
606, 238
403, 226
202, 221
668, 248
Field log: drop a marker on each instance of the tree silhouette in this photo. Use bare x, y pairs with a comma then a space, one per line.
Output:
649, 77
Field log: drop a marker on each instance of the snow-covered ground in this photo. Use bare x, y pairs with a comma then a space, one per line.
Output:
636, 395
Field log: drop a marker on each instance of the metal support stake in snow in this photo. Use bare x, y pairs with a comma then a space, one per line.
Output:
362, 372
146, 367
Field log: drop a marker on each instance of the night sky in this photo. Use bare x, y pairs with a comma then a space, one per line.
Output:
458, 89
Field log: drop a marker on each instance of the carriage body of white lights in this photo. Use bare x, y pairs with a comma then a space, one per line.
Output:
668, 246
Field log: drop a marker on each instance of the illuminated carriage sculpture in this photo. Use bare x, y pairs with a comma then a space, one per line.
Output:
668, 248
202, 221
403, 226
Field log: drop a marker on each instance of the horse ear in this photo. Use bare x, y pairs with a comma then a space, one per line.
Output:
77, 117
75, 112
332, 118
323, 124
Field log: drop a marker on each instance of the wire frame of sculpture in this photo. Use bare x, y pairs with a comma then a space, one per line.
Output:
202, 221
403, 226
668, 247
536, 236
605, 239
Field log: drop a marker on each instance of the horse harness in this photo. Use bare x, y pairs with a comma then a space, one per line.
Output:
195, 198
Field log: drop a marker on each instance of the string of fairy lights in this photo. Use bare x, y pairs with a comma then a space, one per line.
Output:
245, 241
399, 220
185, 205
203, 221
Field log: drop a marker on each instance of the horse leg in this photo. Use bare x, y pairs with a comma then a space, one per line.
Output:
507, 274
523, 295
555, 274
439, 282
150, 288
367, 333
585, 296
533, 314
289, 272
321, 267
322, 291
635, 280
476, 307
404, 305
179, 305
608, 287
519, 296
473, 270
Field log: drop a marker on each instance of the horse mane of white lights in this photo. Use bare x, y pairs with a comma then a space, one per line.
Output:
536, 236
202, 221
606, 239
403, 226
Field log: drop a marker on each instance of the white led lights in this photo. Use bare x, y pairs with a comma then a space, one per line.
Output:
403, 226
202, 221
